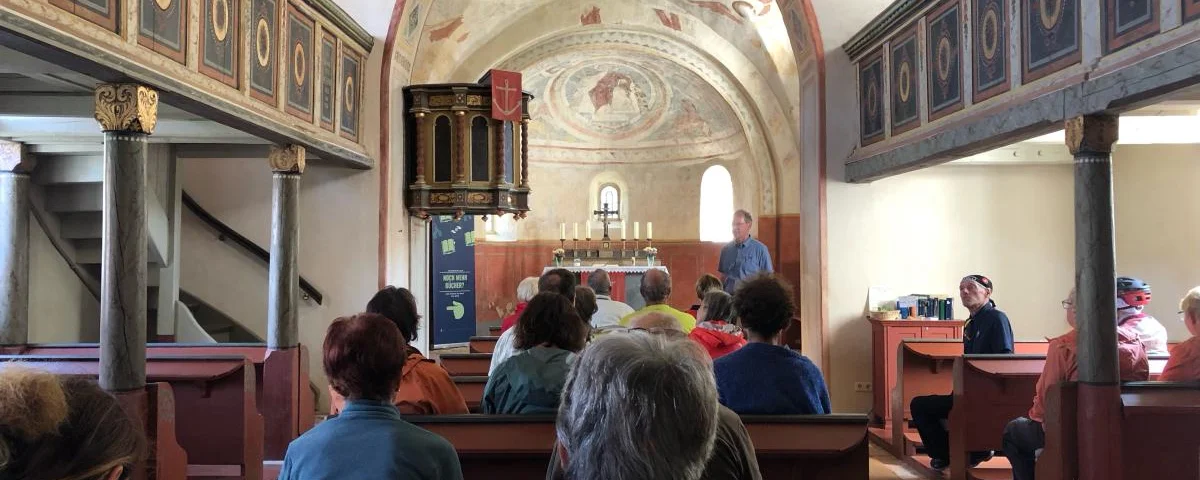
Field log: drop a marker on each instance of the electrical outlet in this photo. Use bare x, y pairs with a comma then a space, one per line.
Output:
862, 386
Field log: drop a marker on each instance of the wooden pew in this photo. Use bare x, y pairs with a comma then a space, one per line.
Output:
217, 422
494, 331
504, 447
483, 344
990, 391
155, 408
1158, 431
465, 364
472, 390
283, 371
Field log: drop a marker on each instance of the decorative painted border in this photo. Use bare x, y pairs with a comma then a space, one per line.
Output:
108, 20
1000, 47
1030, 74
233, 33
951, 8
1191, 10
146, 37
1135, 30
872, 61
306, 60
328, 82
898, 42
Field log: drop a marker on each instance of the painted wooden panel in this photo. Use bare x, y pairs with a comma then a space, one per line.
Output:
943, 59
905, 84
220, 35
329, 83
1191, 10
1051, 37
105, 13
261, 49
1129, 21
300, 60
870, 95
162, 27
990, 48
351, 88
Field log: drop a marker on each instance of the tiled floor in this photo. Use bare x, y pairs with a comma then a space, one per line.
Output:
886, 467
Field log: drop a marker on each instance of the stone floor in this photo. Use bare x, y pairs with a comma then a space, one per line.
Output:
886, 467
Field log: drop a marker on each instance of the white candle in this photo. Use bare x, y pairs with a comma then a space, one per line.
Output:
587, 229
575, 225
623, 232
635, 230
649, 230
562, 231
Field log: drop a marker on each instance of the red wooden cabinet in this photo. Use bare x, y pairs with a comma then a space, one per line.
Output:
886, 336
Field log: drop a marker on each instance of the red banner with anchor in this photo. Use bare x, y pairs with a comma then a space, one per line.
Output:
506, 95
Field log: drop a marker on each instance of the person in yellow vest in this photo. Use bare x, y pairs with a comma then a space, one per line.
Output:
656, 289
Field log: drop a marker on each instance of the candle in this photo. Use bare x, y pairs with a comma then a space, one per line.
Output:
587, 229
562, 231
635, 230
649, 230
623, 232
575, 225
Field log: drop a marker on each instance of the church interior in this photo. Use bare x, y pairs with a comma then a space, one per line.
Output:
192, 191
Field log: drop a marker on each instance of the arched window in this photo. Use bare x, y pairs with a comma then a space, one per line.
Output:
716, 205
610, 195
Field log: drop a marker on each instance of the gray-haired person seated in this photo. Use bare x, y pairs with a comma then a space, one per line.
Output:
642, 405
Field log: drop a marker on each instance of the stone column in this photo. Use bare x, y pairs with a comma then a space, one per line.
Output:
15, 167
1090, 139
283, 327
127, 113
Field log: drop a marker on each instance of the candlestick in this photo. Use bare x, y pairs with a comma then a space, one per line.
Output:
562, 231
575, 225
649, 230
635, 230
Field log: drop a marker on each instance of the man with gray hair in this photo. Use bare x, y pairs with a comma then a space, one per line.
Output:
744, 256
656, 289
608, 311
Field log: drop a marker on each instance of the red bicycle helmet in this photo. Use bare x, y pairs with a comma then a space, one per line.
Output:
1133, 291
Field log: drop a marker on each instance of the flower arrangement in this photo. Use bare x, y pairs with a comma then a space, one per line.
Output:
558, 252
650, 251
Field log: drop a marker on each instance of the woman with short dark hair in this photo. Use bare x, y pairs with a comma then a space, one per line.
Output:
547, 337
363, 356
425, 387
765, 377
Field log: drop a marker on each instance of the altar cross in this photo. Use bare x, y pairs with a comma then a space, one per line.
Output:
603, 213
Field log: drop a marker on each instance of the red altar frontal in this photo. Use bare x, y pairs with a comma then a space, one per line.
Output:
626, 280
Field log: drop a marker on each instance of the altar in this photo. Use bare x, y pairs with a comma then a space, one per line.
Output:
626, 280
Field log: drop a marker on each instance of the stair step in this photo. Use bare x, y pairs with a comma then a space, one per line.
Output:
87, 251
80, 197
65, 169
84, 225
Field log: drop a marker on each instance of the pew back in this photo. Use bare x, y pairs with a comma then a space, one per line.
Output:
471, 388
483, 344
217, 421
989, 391
465, 364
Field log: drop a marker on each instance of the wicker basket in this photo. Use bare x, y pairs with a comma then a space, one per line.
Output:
886, 315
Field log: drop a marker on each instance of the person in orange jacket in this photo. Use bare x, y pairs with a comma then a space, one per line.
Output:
425, 387
714, 331
1024, 436
1184, 364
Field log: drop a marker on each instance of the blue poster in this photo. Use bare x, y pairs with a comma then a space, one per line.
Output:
453, 282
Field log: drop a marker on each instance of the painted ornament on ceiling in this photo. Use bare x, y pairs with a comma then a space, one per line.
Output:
608, 99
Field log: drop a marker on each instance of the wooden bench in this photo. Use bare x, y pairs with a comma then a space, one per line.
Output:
465, 364
155, 407
471, 389
504, 447
217, 422
494, 331
483, 344
1158, 431
281, 382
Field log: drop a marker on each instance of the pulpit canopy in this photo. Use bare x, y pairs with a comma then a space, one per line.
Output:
461, 160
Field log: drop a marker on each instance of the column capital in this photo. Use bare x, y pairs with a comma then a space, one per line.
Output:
287, 158
15, 157
1091, 134
126, 107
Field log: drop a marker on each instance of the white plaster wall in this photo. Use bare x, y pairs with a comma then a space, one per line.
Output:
60, 308
338, 243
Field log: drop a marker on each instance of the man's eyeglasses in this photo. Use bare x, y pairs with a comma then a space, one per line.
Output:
1067, 304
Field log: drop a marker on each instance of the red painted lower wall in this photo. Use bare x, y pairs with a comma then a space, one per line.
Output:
500, 266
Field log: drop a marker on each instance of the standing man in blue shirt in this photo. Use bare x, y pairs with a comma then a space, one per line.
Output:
744, 256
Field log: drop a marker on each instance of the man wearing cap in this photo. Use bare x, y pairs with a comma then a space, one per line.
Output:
987, 331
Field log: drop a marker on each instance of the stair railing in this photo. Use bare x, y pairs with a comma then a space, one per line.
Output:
225, 232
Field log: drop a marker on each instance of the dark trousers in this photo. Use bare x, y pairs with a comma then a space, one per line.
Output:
1022, 439
928, 413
